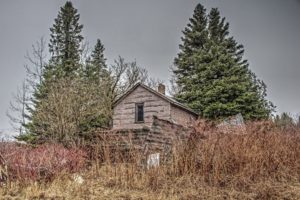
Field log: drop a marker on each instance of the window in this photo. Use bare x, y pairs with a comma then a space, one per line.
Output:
139, 112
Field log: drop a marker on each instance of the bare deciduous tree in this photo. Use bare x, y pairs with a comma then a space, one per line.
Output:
37, 61
69, 106
126, 74
153, 83
34, 74
174, 88
17, 110
86, 51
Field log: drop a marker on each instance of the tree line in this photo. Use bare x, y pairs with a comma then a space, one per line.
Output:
69, 92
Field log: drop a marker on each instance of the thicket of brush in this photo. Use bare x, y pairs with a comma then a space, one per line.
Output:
237, 158
42, 163
260, 163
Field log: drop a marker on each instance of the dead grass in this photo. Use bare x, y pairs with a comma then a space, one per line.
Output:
264, 163
183, 188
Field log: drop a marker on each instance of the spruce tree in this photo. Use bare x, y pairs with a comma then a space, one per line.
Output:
64, 63
97, 77
65, 41
212, 76
96, 68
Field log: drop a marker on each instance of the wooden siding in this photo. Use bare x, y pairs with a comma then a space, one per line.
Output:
124, 111
182, 117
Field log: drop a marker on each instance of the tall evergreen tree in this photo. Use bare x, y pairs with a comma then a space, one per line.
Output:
65, 49
65, 41
97, 76
212, 76
96, 68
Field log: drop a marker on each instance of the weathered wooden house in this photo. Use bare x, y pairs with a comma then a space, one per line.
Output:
137, 107
150, 121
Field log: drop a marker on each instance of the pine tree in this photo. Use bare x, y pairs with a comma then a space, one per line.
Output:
97, 76
96, 68
39, 95
212, 76
65, 41
64, 63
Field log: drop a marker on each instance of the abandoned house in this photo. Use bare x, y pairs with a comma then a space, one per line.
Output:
150, 121
138, 106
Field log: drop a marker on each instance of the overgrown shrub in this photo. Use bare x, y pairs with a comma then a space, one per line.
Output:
41, 162
261, 152
259, 162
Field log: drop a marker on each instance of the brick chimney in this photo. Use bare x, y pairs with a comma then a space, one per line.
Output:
162, 89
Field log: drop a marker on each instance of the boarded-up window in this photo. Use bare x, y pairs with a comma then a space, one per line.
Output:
139, 112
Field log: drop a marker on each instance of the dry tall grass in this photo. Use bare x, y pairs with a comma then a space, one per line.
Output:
263, 163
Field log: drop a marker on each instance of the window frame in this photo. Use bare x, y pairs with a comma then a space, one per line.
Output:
136, 112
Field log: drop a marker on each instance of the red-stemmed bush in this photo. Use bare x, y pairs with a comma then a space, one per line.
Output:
42, 162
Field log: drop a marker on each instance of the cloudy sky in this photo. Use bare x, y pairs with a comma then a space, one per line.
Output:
149, 32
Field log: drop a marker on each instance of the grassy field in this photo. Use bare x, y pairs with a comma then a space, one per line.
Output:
263, 163
181, 188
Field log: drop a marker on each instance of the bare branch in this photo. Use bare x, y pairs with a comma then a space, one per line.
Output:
85, 51
37, 62
17, 110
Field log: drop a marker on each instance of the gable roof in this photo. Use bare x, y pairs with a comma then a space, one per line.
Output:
168, 99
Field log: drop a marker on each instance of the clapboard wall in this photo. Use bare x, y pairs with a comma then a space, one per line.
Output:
155, 104
124, 112
181, 117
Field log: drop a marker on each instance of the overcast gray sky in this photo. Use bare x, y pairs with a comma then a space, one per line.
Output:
149, 32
